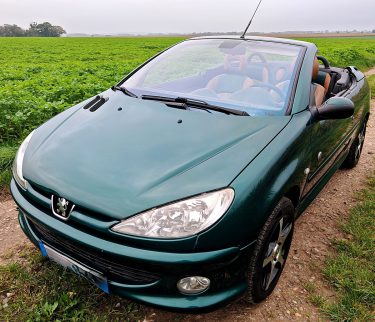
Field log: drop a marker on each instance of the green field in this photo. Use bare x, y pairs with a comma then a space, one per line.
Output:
40, 77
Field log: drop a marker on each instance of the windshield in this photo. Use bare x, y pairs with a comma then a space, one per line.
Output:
252, 76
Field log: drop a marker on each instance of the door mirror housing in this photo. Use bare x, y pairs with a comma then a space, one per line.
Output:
334, 108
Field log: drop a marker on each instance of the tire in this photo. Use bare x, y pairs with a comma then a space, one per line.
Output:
271, 251
355, 149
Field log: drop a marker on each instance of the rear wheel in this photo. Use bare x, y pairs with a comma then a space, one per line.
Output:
271, 252
356, 149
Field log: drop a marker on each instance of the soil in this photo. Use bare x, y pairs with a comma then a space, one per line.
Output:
312, 242
370, 72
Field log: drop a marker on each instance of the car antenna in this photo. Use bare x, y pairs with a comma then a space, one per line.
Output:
251, 20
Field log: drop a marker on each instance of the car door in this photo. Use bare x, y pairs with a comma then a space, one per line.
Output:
330, 139
329, 145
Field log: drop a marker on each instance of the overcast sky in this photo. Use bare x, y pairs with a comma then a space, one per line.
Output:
184, 16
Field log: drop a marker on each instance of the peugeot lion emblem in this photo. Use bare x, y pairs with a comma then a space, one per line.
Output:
61, 207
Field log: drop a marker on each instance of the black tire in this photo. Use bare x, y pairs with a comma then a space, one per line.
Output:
259, 287
355, 149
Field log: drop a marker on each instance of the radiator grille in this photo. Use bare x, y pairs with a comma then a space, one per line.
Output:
111, 267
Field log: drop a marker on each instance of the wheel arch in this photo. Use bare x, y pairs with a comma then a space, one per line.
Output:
367, 116
293, 194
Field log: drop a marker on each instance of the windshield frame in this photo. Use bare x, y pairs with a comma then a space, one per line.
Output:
298, 64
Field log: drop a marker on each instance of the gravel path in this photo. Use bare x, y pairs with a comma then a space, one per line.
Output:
370, 72
312, 242
11, 234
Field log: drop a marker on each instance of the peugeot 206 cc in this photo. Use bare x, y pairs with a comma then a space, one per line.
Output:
179, 186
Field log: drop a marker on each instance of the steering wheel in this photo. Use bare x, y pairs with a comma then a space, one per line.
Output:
277, 90
261, 57
263, 61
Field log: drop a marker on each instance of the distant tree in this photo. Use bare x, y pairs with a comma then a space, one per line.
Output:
373, 31
32, 31
11, 31
57, 31
45, 29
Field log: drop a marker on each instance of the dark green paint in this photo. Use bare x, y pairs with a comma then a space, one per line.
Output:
121, 163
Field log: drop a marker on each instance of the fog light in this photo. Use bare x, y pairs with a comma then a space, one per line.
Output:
193, 285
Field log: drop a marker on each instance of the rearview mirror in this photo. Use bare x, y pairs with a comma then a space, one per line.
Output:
335, 108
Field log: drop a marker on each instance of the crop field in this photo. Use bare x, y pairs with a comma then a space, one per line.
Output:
40, 77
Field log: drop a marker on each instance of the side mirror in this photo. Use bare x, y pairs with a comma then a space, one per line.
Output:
334, 108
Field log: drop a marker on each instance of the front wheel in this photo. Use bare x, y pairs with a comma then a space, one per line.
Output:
356, 149
271, 252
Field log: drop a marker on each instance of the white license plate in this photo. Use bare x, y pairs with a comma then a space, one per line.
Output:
89, 274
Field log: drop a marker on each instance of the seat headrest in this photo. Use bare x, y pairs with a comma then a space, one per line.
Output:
315, 69
321, 78
235, 63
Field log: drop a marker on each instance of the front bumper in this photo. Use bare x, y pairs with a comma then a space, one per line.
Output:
143, 275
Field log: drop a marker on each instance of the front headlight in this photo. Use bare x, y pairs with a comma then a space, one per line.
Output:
18, 162
181, 219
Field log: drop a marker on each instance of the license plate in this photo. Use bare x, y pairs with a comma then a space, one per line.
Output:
89, 274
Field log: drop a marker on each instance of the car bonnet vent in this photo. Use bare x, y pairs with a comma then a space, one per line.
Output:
97, 102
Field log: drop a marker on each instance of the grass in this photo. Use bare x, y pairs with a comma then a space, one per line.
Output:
371, 80
39, 290
351, 270
7, 154
344, 52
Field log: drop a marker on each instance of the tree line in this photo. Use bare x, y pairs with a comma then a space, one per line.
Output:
35, 29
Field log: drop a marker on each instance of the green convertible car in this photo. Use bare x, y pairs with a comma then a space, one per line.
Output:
179, 187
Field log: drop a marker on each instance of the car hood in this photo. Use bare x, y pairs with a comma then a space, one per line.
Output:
131, 155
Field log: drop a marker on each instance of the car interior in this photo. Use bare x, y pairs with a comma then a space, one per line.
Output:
239, 77
256, 80
240, 80
328, 81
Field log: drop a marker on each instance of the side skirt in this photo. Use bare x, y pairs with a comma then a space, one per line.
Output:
306, 201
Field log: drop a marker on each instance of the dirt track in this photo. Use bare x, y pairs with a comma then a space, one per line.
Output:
312, 242
370, 72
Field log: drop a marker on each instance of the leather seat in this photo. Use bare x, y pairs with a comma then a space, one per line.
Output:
322, 81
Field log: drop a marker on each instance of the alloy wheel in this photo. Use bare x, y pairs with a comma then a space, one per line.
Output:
361, 139
277, 251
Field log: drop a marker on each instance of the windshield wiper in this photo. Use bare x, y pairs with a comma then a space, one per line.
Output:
168, 100
190, 102
124, 90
